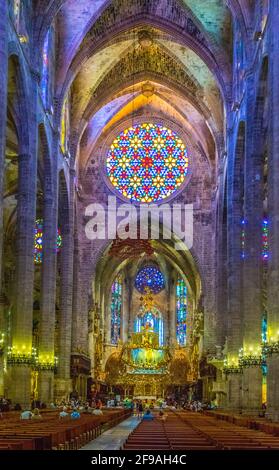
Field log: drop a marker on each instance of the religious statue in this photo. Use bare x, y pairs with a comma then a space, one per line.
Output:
147, 338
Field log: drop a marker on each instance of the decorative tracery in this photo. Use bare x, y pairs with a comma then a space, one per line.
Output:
151, 278
147, 163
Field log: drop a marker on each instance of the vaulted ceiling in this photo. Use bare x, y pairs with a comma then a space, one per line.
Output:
110, 52
122, 58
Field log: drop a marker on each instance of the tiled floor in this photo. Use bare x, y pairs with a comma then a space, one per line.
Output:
113, 438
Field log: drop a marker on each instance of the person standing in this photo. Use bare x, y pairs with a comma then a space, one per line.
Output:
140, 410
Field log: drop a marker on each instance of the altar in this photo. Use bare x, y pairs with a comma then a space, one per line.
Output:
141, 366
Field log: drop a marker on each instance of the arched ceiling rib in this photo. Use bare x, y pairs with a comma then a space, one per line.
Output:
104, 62
134, 104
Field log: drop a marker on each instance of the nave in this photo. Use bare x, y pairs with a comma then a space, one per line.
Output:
121, 430
139, 222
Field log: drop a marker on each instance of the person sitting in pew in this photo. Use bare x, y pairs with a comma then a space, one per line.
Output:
97, 411
75, 414
36, 414
26, 414
148, 415
162, 416
63, 413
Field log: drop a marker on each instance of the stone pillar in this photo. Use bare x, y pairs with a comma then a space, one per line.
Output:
63, 383
3, 341
23, 309
80, 336
252, 301
4, 21
273, 211
76, 297
252, 390
235, 264
211, 321
48, 297
125, 311
130, 306
172, 310
22, 315
80, 307
272, 387
221, 251
234, 389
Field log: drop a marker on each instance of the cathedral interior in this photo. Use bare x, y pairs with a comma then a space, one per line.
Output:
131, 105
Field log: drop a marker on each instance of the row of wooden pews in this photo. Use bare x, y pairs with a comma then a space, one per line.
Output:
252, 422
167, 435
229, 436
186, 430
52, 433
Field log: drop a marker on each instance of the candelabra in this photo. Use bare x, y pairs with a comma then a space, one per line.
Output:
232, 369
271, 348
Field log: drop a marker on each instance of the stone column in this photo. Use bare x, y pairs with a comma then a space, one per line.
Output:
63, 383
22, 314
235, 264
76, 297
3, 340
125, 311
48, 297
172, 310
252, 302
273, 210
221, 251
80, 306
3, 108
130, 306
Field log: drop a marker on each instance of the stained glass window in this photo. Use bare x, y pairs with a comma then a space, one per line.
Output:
64, 126
116, 308
264, 365
45, 71
150, 278
38, 241
181, 311
147, 163
243, 238
155, 323
17, 14
264, 329
265, 240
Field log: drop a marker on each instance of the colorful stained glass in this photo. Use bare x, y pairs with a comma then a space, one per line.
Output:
153, 321
147, 163
45, 71
181, 311
149, 278
58, 240
265, 240
264, 329
116, 308
38, 241
264, 365
243, 238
